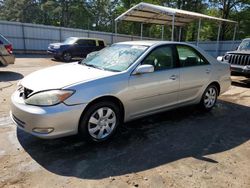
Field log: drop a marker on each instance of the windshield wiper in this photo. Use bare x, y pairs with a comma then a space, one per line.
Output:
94, 66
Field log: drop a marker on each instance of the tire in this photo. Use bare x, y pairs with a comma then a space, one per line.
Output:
209, 98
56, 58
67, 56
100, 121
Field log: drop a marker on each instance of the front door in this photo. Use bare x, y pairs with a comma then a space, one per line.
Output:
154, 91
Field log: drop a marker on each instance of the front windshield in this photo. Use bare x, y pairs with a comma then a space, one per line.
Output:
70, 40
245, 45
116, 58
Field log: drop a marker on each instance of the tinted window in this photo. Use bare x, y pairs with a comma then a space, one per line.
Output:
161, 58
82, 42
101, 43
189, 57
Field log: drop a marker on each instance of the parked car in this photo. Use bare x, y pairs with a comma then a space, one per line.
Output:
120, 83
239, 59
6, 52
75, 47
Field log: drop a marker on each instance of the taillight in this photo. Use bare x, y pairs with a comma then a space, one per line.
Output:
9, 48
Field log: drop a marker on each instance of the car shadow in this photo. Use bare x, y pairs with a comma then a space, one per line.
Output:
6, 76
146, 143
242, 83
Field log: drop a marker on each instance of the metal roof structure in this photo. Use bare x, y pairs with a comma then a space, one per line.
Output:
155, 14
146, 13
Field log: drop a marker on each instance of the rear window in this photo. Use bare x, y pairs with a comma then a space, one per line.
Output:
3, 40
101, 43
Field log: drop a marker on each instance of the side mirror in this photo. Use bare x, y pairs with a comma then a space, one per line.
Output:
220, 58
142, 69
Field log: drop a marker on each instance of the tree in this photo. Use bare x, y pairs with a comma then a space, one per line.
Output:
227, 9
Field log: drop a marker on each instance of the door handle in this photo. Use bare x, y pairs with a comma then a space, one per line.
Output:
208, 71
173, 77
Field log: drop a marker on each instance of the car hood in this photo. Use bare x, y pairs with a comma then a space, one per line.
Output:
61, 76
239, 52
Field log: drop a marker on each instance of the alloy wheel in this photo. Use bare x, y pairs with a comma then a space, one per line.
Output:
67, 56
102, 123
210, 97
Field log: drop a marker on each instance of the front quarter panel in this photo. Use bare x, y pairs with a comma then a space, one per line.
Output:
115, 85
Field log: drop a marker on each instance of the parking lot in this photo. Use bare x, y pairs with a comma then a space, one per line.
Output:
178, 148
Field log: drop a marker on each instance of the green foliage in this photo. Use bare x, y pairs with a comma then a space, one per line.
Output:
100, 14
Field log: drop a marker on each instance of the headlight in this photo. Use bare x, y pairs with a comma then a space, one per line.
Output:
48, 98
227, 57
56, 47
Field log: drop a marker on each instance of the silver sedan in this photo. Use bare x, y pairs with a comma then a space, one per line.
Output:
125, 81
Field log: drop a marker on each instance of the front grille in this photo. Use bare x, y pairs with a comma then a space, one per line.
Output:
239, 59
26, 92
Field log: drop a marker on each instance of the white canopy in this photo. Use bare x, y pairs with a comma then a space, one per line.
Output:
160, 15
155, 14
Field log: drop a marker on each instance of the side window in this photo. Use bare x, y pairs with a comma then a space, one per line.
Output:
101, 43
189, 57
161, 58
91, 43
82, 42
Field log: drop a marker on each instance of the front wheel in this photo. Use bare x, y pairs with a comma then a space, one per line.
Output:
100, 121
66, 56
209, 98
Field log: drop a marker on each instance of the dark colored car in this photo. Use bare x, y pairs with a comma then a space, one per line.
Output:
75, 47
239, 59
6, 52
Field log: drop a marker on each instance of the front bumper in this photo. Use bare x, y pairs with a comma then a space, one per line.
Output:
56, 53
61, 120
239, 69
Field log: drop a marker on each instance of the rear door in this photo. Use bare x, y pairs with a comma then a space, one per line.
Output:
195, 72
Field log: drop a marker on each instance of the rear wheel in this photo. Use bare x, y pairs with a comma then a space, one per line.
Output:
66, 56
209, 98
100, 121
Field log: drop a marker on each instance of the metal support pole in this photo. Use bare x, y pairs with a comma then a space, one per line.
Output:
218, 38
141, 30
180, 34
198, 35
162, 32
235, 29
173, 18
115, 31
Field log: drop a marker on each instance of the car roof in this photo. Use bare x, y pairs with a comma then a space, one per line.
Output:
86, 38
150, 42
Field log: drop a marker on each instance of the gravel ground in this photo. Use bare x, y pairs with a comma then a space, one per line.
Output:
178, 148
